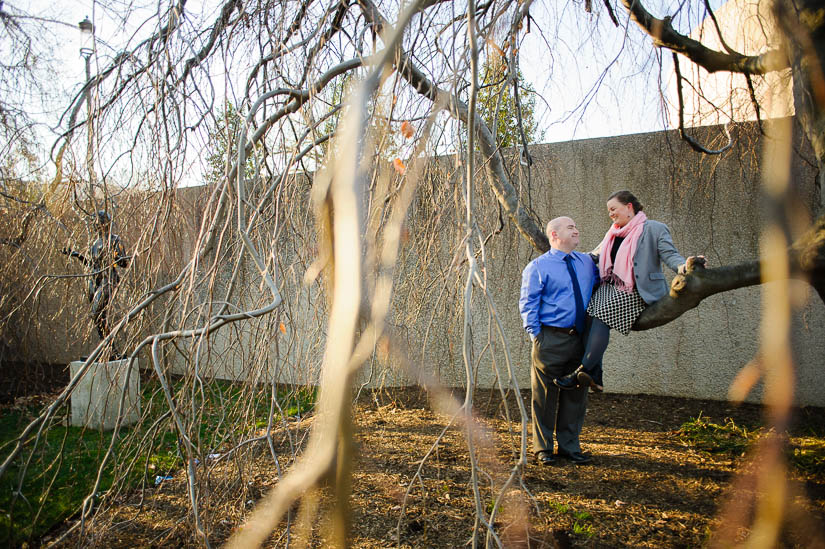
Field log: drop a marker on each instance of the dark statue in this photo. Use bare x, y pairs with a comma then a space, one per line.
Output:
107, 253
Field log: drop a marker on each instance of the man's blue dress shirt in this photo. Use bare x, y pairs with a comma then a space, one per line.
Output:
547, 290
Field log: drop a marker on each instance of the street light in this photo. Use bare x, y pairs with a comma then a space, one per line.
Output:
87, 33
87, 45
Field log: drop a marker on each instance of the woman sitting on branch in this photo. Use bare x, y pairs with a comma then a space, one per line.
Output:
630, 261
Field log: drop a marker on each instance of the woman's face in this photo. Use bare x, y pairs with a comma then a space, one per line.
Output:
619, 213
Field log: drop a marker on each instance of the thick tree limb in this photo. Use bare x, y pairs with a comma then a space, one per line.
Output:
687, 291
807, 256
665, 36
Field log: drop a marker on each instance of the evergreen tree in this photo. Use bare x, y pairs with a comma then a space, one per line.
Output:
497, 105
223, 140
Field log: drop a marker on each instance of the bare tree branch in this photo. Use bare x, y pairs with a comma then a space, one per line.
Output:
663, 35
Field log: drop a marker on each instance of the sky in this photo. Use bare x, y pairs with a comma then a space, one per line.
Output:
563, 40
621, 106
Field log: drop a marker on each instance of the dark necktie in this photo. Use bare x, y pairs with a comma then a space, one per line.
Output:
577, 294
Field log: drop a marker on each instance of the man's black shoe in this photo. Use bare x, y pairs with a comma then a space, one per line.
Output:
570, 381
546, 458
577, 458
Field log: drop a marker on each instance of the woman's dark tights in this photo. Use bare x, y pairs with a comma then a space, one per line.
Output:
597, 339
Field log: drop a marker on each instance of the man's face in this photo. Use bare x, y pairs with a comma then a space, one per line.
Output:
566, 234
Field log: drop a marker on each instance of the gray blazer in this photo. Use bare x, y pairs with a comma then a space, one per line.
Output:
655, 246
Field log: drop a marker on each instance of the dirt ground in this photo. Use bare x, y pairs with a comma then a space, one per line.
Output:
646, 487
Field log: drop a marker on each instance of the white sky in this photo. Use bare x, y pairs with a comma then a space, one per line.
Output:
626, 101
581, 65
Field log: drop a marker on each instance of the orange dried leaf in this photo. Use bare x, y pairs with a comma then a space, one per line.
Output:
282, 327
384, 348
399, 166
495, 47
407, 129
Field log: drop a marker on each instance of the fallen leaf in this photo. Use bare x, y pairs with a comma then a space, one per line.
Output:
407, 129
282, 327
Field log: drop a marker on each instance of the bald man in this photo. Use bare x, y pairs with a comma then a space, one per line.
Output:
555, 290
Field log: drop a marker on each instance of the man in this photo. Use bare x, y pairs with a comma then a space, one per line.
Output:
555, 290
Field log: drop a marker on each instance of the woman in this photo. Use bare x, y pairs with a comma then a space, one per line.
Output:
630, 258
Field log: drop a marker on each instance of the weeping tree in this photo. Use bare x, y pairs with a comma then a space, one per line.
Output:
340, 108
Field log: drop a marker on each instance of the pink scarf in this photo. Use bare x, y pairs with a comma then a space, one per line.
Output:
621, 274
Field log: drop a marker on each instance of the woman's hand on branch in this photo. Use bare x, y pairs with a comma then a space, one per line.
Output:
692, 263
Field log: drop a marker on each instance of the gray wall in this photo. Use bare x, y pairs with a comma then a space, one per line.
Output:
712, 206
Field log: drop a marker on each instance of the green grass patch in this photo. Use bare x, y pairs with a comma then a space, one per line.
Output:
716, 438
582, 515
805, 453
581, 519
808, 454
63, 467
583, 529
60, 474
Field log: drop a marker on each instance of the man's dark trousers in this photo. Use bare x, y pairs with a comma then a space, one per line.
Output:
556, 354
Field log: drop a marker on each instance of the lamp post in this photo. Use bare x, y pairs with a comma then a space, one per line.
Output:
87, 37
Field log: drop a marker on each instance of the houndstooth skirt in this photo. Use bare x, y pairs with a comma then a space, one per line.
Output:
616, 308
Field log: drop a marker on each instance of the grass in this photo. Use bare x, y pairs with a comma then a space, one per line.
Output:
584, 529
63, 468
61, 473
805, 453
581, 519
808, 455
715, 438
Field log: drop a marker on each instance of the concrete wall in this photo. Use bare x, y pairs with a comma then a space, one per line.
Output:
712, 205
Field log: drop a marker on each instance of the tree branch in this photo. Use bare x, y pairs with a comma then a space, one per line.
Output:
493, 162
663, 35
807, 257
695, 145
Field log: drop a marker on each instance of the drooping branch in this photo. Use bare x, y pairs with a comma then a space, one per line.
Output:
493, 161
695, 145
18, 240
803, 25
664, 35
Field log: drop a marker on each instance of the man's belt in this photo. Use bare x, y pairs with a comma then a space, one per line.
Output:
568, 331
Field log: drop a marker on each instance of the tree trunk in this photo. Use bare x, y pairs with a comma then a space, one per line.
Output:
803, 24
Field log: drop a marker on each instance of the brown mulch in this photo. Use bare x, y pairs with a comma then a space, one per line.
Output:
646, 487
